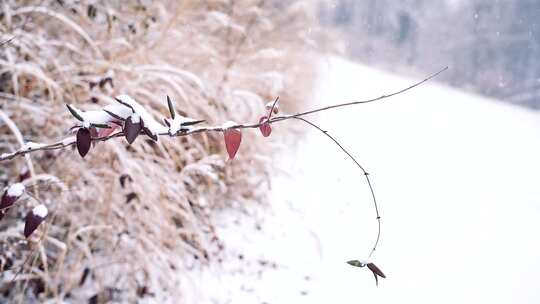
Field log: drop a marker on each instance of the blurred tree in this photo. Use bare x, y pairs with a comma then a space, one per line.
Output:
491, 46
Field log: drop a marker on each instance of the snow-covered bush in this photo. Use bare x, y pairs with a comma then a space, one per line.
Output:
121, 222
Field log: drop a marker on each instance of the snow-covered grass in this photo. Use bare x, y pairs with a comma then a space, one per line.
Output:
129, 214
457, 180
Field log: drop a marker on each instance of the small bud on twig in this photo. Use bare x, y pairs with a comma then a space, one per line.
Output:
374, 269
273, 107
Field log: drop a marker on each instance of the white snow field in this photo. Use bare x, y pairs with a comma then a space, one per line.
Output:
456, 177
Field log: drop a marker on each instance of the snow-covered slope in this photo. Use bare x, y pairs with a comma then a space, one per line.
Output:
457, 180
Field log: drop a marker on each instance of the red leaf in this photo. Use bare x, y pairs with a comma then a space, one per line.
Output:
93, 132
233, 138
84, 140
375, 270
106, 132
265, 128
33, 219
132, 130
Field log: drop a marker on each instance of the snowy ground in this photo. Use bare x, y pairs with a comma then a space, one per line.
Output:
457, 180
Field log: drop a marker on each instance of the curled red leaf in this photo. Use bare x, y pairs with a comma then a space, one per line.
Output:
265, 128
93, 132
107, 131
233, 138
84, 140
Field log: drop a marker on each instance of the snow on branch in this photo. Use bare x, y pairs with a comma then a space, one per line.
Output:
101, 124
132, 120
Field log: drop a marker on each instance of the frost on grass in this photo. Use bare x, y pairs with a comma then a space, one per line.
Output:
162, 215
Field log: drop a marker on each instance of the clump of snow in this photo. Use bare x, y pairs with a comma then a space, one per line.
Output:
135, 118
96, 117
149, 122
178, 123
175, 124
101, 117
33, 146
119, 110
15, 190
229, 124
363, 262
69, 140
40, 210
269, 105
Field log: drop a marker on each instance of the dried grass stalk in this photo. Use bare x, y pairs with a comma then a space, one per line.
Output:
122, 221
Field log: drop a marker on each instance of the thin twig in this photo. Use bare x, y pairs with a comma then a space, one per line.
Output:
66, 143
7, 41
366, 174
374, 99
272, 109
22, 27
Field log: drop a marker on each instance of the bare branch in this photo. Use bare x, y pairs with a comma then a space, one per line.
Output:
68, 142
378, 217
374, 99
7, 41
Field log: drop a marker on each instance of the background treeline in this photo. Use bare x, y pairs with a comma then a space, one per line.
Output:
491, 47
